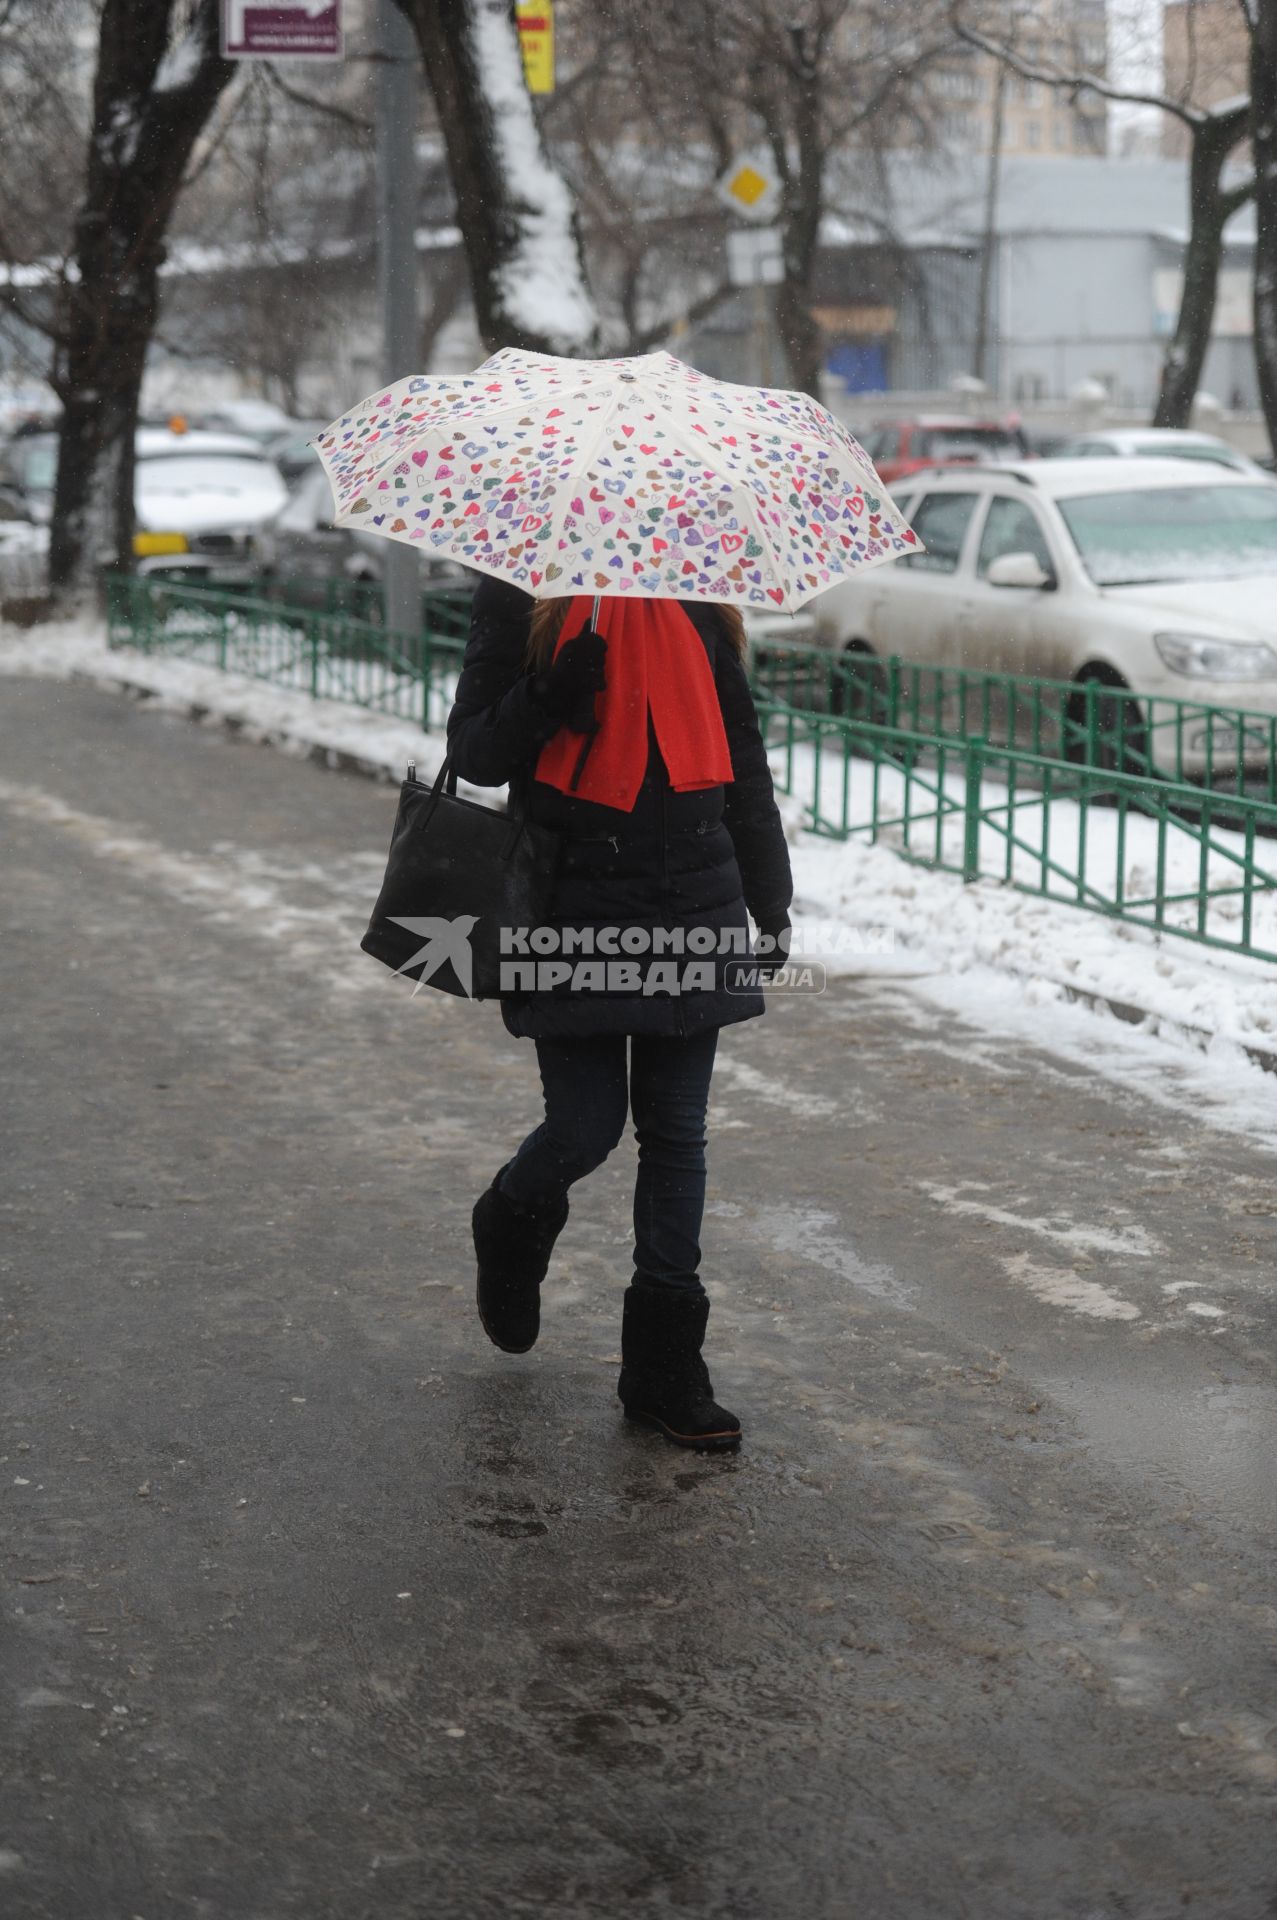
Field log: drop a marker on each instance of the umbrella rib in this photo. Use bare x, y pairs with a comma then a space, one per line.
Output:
582, 467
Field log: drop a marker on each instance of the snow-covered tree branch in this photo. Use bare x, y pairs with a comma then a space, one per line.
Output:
514, 208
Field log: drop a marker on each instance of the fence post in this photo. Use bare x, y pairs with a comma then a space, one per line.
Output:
893, 691
1091, 698
971, 815
312, 636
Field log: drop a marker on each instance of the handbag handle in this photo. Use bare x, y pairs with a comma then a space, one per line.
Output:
445, 781
448, 773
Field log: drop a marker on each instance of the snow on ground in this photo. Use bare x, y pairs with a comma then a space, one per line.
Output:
1013, 963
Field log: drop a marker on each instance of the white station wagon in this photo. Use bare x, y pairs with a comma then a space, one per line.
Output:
1140, 574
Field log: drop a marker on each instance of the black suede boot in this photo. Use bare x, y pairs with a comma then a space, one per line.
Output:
513, 1245
664, 1382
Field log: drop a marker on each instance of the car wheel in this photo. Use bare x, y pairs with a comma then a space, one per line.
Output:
858, 684
1119, 742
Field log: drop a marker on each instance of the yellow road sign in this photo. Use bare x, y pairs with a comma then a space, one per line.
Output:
536, 38
750, 186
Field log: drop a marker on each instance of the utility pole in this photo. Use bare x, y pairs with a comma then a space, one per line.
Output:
397, 203
989, 244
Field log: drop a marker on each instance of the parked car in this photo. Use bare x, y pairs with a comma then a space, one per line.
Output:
312, 563
201, 499
259, 420
901, 447
292, 452
24, 549
29, 467
1155, 443
1136, 575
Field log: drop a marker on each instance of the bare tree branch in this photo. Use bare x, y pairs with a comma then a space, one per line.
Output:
330, 109
1052, 76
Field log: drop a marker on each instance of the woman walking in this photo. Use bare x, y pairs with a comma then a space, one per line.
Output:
638, 742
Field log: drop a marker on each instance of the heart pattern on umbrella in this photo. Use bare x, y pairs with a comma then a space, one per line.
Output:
634, 476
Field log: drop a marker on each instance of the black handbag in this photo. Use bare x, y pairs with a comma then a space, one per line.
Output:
458, 874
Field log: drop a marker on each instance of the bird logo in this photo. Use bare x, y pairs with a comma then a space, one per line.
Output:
447, 941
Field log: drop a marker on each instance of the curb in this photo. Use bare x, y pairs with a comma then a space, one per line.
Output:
1125, 1010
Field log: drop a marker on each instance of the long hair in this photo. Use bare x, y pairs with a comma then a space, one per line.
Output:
547, 624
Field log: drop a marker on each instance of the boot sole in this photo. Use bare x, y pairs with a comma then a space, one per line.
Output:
724, 1442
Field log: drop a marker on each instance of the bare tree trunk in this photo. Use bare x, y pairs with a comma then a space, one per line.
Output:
989, 236
1263, 135
804, 204
514, 209
149, 107
1210, 209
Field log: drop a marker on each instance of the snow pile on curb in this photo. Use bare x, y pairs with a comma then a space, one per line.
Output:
933, 923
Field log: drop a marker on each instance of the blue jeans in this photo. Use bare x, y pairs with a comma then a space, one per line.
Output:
586, 1105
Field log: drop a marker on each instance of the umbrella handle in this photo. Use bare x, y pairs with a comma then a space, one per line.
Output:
594, 617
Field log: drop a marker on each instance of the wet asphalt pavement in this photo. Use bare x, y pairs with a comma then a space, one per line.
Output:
316, 1605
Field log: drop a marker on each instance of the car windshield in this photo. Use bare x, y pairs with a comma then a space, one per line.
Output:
184, 473
1174, 533
965, 443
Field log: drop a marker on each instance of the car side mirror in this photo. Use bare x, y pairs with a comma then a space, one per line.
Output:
1019, 570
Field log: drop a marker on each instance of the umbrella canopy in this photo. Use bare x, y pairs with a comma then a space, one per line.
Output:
637, 476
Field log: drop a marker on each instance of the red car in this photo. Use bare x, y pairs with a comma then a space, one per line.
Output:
900, 447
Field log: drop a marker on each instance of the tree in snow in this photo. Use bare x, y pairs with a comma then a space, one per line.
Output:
516, 215
158, 78
1214, 135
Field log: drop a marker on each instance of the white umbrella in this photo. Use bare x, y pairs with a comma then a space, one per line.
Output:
639, 477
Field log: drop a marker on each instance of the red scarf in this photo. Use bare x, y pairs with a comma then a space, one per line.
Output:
656, 661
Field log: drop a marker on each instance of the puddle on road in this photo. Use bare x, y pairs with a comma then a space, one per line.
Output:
1212, 1447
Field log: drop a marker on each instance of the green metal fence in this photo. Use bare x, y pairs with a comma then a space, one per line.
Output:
1115, 843
326, 654
1062, 817
1224, 749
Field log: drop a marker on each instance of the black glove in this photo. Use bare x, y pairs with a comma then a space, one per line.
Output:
774, 937
566, 688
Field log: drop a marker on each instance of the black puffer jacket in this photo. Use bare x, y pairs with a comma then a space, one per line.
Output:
680, 861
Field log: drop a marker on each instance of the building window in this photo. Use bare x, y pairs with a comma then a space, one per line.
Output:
1033, 134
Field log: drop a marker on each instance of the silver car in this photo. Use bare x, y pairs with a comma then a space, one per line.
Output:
1143, 575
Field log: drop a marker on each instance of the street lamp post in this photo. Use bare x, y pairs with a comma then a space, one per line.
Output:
397, 201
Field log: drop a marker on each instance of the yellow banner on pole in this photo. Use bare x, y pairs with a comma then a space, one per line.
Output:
536, 38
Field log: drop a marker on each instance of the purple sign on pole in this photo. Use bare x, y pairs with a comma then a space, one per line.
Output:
281, 30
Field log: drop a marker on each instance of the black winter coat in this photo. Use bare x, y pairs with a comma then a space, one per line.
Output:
677, 861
